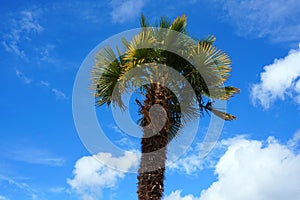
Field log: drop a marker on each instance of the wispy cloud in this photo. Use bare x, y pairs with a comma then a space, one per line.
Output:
193, 161
22, 37
57, 190
83, 11
126, 141
278, 19
176, 195
3, 198
94, 173
38, 156
24, 188
280, 80
22, 76
126, 10
32, 155
21, 28
44, 54
45, 83
59, 94
115, 128
294, 143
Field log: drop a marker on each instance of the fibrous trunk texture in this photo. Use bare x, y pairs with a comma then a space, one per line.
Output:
154, 142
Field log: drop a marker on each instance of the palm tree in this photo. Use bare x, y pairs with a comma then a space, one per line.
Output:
153, 47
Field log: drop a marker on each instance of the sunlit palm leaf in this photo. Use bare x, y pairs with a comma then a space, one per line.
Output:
223, 93
210, 39
138, 48
179, 24
223, 115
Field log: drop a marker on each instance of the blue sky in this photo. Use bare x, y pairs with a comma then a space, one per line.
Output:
42, 47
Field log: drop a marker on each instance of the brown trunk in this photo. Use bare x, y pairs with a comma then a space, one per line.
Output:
154, 142
151, 173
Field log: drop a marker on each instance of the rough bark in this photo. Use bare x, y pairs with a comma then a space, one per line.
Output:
153, 146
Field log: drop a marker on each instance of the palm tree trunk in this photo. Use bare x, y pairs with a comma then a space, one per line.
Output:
152, 168
154, 153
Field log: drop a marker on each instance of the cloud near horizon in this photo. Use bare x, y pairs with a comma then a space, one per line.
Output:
261, 170
94, 173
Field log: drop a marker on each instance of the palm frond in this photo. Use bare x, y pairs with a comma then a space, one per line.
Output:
179, 24
213, 64
223, 115
223, 93
144, 22
105, 75
210, 39
165, 22
138, 50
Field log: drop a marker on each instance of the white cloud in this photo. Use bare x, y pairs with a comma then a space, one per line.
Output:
279, 80
19, 29
276, 19
94, 173
252, 169
260, 172
126, 10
